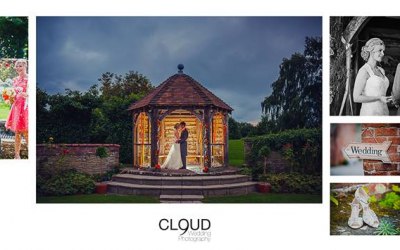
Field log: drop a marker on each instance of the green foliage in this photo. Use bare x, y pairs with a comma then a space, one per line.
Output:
108, 175
391, 200
302, 148
245, 170
13, 37
264, 178
334, 200
296, 98
101, 152
234, 132
4, 110
7, 72
294, 183
98, 198
238, 130
396, 188
372, 199
264, 151
386, 227
265, 198
97, 116
66, 183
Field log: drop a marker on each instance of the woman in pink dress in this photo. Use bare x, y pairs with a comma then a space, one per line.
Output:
17, 120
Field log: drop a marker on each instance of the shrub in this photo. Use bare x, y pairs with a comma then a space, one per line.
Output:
245, 170
108, 175
101, 152
301, 148
293, 183
66, 183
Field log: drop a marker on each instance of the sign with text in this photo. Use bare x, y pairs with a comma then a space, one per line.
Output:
369, 151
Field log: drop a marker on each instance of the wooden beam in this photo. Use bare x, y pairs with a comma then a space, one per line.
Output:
154, 135
134, 117
226, 135
207, 141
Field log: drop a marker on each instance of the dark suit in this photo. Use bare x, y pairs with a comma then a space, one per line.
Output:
183, 143
396, 89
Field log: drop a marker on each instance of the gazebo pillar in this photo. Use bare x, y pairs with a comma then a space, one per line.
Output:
134, 115
226, 138
154, 135
207, 142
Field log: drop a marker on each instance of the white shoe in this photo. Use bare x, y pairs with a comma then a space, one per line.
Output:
355, 221
368, 216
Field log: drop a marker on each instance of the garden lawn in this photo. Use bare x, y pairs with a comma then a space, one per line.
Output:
236, 153
266, 198
97, 198
4, 110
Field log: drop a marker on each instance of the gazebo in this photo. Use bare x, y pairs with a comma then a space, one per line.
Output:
180, 98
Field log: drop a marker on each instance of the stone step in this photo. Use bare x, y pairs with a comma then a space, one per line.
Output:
182, 197
180, 180
178, 201
157, 190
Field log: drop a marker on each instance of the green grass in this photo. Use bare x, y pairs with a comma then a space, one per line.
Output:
250, 198
236, 153
266, 198
4, 110
97, 198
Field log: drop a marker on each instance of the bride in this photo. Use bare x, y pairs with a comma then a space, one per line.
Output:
371, 83
174, 160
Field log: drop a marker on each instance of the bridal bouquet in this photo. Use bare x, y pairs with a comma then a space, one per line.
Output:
8, 95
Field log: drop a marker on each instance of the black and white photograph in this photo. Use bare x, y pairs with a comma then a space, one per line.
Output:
364, 66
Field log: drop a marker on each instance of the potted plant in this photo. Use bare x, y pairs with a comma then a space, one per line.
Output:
263, 186
264, 152
101, 188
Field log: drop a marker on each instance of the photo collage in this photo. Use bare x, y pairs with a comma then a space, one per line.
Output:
146, 127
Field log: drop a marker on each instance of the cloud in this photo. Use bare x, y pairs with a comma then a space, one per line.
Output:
235, 57
246, 106
73, 52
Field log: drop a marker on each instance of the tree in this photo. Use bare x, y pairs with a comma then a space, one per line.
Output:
13, 37
246, 129
234, 132
98, 115
296, 99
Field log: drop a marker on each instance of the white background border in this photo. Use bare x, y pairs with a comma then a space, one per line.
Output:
26, 225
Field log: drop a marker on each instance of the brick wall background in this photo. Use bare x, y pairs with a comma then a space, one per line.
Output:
378, 133
81, 157
276, 162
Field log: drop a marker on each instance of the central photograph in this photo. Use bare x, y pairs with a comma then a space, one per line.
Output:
179, 110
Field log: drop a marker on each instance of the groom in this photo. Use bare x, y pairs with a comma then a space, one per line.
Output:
396, 89
182, 141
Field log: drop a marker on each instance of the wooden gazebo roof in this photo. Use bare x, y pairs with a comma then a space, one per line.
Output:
180, 90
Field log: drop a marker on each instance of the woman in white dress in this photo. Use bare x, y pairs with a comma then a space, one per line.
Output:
174, 160
371, 83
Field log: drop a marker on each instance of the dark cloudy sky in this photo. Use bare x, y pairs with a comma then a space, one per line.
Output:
237, 58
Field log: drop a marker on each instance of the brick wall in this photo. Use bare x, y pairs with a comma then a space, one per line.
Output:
276, 163
378, 133
81, 157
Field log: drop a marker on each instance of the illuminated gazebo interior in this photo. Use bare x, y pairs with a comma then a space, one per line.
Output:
180, 98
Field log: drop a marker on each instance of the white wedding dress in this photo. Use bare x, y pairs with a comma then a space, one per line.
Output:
375, 86
174, 159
